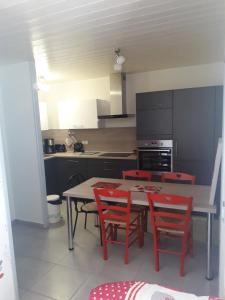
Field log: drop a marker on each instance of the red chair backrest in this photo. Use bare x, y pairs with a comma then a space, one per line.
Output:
137, 174
122, 213
177, 176
165, 217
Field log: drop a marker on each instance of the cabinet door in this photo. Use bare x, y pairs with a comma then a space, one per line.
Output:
95, 168
67, 167
154, 100
193, 123
81, 114
50, 176
154, 115
201, 169
154, 124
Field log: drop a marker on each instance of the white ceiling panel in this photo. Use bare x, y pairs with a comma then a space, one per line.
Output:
74, 39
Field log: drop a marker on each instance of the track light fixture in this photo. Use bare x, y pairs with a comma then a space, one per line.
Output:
120, 59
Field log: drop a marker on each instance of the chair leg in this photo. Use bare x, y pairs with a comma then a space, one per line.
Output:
115, 232
100, 233
111, 232
146, 220
182, 264
155, 251
140, 229
183, 253
105, 251
85, 221
191, 244
126, 244
75, 224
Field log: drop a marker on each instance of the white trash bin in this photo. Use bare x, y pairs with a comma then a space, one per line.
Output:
54, 214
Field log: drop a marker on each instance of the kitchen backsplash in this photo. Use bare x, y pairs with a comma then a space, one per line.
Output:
104, 139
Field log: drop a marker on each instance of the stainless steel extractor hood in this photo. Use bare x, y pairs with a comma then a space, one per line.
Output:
118, 107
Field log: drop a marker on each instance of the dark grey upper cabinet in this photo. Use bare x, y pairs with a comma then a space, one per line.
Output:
154, 100
154, 123
154, 115
194, 123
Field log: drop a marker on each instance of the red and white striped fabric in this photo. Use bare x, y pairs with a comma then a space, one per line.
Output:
146, 291
133, 290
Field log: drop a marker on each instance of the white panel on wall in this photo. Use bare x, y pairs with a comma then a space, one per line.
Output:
24, 144
8, 280
43, 110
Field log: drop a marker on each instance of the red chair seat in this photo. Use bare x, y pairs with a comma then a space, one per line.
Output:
133, 217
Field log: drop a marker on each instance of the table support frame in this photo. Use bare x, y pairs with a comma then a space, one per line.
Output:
69, 223
209, 271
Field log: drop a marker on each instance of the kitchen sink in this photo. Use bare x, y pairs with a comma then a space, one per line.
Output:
89, 153
115, 154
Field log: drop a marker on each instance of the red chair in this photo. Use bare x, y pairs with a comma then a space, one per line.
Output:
139, 175
172, 223
112, 218
176, 176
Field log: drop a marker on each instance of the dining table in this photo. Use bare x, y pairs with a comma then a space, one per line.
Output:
199, 193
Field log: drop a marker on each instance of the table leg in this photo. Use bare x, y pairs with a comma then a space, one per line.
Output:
209, 272
69, 223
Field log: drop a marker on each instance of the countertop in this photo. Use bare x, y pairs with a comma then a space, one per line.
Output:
97, 154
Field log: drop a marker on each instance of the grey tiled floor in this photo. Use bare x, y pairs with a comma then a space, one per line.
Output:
47, 270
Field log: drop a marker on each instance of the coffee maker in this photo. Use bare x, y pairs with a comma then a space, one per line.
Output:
49, 146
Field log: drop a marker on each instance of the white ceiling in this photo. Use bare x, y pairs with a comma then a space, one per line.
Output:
74, 39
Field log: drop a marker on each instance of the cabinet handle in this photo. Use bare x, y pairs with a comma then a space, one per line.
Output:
73, 161
176, 149
107, 162
108, 169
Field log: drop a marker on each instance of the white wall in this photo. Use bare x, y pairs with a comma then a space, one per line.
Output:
73, 90
176, 78
8, 283
23, 144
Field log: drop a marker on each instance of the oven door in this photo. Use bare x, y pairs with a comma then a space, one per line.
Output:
156, 160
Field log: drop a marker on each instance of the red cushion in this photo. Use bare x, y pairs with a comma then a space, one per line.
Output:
111, 291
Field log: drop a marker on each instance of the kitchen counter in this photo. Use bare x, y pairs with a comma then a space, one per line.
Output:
92, 154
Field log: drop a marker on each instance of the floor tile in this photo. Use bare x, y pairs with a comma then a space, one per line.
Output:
30, 270
60, 283
33, 296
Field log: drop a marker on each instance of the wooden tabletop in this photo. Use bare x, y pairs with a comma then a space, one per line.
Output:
200, 193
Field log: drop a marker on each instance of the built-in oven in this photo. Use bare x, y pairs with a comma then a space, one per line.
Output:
155, 155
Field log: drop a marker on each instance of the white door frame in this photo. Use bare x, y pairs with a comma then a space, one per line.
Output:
222, 213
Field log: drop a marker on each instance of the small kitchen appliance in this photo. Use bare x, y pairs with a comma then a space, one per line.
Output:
49, 146
78, 147
60, 148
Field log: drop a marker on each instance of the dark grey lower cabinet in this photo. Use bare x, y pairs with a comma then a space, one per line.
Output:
105, 168
50, 176
109, 168
201, 169
66, 167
